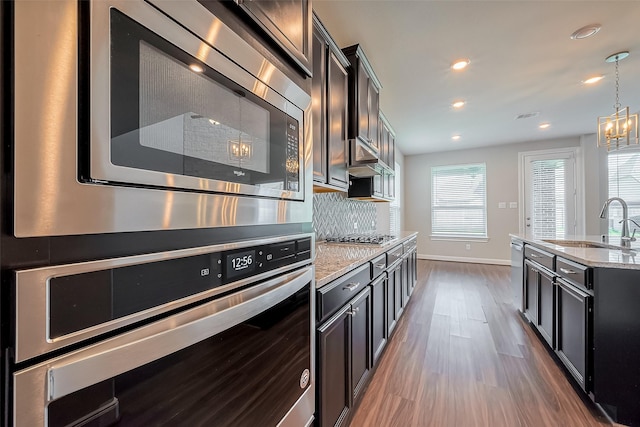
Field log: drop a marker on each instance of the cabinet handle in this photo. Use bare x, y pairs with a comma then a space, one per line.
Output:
567, 271
352, 313
379, 265
535, 270
534, 256
351, 286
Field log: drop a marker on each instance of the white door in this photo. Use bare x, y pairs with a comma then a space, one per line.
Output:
550, 194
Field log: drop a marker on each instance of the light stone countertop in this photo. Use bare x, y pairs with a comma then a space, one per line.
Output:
336, 259
593, 257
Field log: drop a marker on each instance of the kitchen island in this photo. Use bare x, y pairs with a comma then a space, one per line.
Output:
582, 295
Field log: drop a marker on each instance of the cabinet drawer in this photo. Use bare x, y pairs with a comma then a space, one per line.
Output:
541, 257
410, 245
378, 265
577, 274
337, 293
394, 255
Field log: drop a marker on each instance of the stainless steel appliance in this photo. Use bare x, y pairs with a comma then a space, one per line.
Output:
517, 271
135, 115
220, 335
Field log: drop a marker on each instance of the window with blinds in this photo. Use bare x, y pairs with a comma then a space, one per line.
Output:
459, 201
395, 210
624, 182
549, 216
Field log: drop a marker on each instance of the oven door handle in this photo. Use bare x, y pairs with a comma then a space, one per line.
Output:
66, 374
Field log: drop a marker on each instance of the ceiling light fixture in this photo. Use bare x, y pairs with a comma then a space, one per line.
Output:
592, 80
621, 126
586, 31
460, 64
455, 137
196, 67
458, 104
544, 125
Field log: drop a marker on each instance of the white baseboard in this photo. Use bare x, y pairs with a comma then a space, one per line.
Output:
465, 259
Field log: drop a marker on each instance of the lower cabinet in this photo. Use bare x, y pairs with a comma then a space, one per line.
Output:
344, 359
530, 292
394, 296
546, 307
379, 315
574, 308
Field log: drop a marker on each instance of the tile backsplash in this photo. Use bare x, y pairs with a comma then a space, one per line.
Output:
335, 215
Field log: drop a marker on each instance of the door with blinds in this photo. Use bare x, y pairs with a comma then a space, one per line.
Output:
550, 195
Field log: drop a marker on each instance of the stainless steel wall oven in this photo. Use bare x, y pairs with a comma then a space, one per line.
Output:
135, 115
218, 336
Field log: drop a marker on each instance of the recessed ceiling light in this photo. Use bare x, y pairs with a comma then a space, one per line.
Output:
455, 137
460, 64
544, 125
592, 80
458, 104
586, 31
197, 68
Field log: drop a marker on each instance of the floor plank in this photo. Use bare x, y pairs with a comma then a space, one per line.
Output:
462, 356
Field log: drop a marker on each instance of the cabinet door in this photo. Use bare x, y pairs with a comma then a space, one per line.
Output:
397, 284
531, 292
405, 281
574, 313
391, 304
360, 341
374, 111
338, 81
546, 310
334, 398
318, 108
378, 316
362, 82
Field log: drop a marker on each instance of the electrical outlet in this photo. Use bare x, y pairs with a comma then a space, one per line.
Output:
355, 225
468, 246
513, 205
502, 205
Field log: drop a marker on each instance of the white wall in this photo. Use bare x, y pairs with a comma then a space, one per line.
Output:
502, 186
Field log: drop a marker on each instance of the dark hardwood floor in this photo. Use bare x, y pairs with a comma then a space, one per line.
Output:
462, 356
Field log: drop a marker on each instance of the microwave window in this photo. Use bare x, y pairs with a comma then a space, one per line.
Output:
172, 114
184, 112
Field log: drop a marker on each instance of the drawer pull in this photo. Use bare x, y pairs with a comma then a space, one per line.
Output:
351, 286
379, 265
567, 271
353, 312
534, 256
535, 270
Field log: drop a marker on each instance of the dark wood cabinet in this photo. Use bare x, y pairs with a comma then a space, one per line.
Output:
344, 359
392, 317
329, 110
378, 316
364, 98
574, 308
546, 307
334, 399
530, 292
360, 341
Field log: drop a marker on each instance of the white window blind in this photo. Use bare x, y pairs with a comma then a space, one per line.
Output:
624, 182
458, 201
395, 210
549, 213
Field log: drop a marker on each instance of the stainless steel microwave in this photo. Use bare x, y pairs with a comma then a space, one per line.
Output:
135, 115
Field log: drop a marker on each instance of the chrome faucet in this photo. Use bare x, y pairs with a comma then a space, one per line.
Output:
625, 239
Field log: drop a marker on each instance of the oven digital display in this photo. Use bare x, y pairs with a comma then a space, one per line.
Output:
240, 263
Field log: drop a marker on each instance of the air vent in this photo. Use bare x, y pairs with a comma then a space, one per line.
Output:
527, 115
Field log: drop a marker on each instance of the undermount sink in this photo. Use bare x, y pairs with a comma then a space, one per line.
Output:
582, 244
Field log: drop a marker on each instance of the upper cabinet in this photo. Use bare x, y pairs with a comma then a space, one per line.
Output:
288, 22
329, 111
364, 98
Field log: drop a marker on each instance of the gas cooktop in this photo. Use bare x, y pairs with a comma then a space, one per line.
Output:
366, 239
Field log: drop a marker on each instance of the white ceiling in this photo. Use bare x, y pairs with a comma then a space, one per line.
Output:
522, 60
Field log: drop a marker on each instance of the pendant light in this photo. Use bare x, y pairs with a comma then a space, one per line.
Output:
620, 127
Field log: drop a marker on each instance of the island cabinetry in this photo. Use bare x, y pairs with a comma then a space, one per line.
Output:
539, 304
